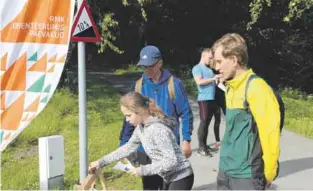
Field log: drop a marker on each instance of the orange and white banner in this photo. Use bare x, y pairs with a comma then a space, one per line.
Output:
34, 39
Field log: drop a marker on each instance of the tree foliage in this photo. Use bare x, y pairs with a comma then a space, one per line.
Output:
296, 9
279, 33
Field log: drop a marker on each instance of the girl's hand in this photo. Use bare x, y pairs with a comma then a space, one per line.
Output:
135, 171
93, 166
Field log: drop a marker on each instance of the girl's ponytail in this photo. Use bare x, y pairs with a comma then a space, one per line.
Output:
135, 101
155, 109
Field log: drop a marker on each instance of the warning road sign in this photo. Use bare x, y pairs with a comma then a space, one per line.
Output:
84, 28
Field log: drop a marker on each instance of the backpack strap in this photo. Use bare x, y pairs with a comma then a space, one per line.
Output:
138, 85
245, 102
171, 89
246, 107
170, 86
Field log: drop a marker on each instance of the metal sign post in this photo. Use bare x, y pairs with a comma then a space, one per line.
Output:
83, 136
84, 30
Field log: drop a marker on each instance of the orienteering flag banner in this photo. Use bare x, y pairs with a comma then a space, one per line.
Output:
34, 39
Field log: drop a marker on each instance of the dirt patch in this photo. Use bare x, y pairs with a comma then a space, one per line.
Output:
24, 153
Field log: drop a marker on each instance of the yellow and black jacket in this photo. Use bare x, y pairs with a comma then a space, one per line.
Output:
250, 147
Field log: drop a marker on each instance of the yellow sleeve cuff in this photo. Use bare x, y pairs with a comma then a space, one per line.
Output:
270, 174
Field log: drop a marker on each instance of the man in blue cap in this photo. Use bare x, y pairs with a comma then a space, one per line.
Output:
168, 92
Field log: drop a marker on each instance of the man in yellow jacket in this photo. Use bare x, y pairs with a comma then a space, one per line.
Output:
250, 147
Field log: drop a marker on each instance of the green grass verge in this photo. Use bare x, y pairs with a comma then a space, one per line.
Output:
298, 117
299, 111
132, 68
20, 168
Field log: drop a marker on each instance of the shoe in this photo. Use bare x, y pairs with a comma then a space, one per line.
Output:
212, 149
204, 152
217, 145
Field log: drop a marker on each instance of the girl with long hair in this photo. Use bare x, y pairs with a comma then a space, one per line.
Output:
154, 131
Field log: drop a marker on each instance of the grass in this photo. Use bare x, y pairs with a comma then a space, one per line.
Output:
20, 168
190, 87
299, 112
132, 68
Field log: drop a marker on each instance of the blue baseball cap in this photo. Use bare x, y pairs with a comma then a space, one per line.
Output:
149, 55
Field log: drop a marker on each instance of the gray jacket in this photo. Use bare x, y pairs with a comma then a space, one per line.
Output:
160, 145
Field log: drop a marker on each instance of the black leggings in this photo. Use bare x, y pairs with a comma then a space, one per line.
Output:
154, 182
207, 109
217, 123
182, 184
220, 104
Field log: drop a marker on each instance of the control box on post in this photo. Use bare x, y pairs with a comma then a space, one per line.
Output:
51, 162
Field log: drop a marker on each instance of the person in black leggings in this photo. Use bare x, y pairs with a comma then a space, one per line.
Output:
182, 184
154, 182
207, 110
154, 131
220, 105
205, 80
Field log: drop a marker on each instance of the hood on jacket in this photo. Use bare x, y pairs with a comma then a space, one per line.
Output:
164, 77
169, 122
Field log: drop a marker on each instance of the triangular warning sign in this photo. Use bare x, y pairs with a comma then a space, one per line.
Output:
84, 28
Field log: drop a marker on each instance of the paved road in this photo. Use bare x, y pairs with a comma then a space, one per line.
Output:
296, 159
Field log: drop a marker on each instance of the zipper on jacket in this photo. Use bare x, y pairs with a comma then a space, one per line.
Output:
155, 96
